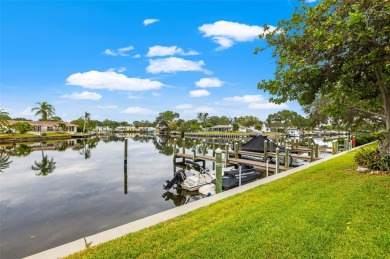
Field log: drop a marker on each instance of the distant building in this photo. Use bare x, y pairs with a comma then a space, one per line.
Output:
293, 132
47, 126
221, 128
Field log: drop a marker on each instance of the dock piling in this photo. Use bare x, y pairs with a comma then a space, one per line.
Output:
218, 154
277, 160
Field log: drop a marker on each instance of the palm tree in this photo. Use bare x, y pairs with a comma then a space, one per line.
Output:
87, 117
4, 163
4, 117
44, 109
62, 126
44, 167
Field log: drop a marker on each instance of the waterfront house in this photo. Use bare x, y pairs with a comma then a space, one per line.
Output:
47, 126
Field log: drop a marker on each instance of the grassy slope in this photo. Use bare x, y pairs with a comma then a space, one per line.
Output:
328, 210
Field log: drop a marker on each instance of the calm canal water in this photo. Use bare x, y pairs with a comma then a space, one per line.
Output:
52, 194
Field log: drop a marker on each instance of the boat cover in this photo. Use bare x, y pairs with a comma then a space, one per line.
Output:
230, 178
256, 144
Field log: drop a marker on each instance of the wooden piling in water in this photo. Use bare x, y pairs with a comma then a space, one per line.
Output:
218, 187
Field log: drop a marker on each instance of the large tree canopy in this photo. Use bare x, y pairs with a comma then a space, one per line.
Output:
338, 49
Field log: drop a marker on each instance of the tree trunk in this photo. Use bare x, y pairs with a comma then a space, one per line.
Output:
384, 142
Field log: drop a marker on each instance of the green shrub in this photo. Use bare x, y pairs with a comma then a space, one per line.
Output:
372, 159
364, 139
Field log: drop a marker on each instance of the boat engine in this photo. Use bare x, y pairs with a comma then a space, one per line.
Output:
178, 177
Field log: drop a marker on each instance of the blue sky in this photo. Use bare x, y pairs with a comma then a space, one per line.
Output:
130, 60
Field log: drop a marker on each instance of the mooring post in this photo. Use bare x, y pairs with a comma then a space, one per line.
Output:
266, 168
296, 143
277, 161
204, 147
265, 150
317, 150
194, 150
240, 142
174, 149
346, 144
227, 154
236, 150
125, 169
213, 146
239, 175
218, 160
333, 147
287, 157
184, 146
270, 145
125, 156
312, 152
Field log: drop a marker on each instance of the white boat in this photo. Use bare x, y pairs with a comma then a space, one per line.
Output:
207, 190
202, 177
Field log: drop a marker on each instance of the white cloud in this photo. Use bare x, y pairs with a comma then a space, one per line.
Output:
137, 56
156, 94
209, 82
199, 93
119, 52
183, 106
159, 51
226, 34
125, 49
107, 106
25, 113
310, 1
85, 95
121, 69
245, 98
267, 106
132, 97
110, 52
111, 81
173, 64
137, 110
149, 21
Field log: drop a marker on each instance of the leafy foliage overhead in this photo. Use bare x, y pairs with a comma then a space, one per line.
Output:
339, 49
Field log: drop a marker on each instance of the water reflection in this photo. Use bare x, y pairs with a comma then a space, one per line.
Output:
180, 196
4, 161
45, 166
84, 146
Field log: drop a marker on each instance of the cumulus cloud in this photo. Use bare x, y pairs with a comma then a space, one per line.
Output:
121, 69
245, 98
173, 64
310, 1
85, 95
150, 21
183, 106
119, 52
226, 33
156, 94
25, 113
137, 56
107, 106
267, 106
112, 81
137, 110
160, 51
209, 82
199, 93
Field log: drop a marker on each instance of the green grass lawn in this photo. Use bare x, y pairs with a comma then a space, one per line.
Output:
326, 211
